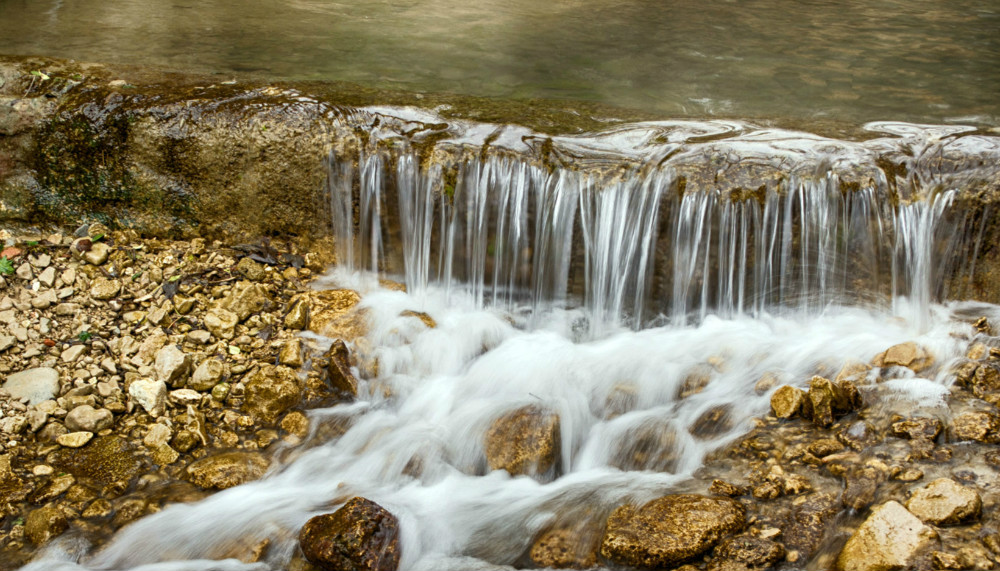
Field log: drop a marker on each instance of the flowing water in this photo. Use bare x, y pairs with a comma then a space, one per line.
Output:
600, 290
853, 61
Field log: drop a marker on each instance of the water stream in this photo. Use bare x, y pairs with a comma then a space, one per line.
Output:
603, 292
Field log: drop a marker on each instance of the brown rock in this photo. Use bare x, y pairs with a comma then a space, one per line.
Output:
890, 538
423, 317
246, 299
270, 393
360, 536
43, 524
916, 428
565, 548
106, 459
723, 488
945, 502
788, 401
227, 470
745, 553
339, 369
670, 530
862, 484
977, 426
807, 525
909, 355
525, 441
291, 353
298, 315
650, 445
714, 422
333, 313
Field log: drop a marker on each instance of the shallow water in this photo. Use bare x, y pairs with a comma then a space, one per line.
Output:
856, 61
438, 390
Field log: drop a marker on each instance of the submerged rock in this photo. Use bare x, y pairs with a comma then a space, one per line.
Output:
525, 441
565, 548
945, 502
227, 470
43, 524
360, 536
746, 553
889, 539
670, 530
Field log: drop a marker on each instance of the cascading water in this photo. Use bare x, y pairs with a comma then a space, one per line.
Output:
642, 314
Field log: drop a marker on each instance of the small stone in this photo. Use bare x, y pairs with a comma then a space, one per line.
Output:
104, 288
270, 393
150, 395
74, 439
24, 272
977, 426
916, 428
88, 419
164, 455
945, 502
221, 323
172, 365
251, 269
220, 392
73, 353
48, 277
889, 539
563, 548
183, 304
227, 470
97, 254
525, 441
157, 435
43, 524
208, 374
199, 337
296, 423
246, 299
723, 488
787, 402
184, 397
291, 352
298, 315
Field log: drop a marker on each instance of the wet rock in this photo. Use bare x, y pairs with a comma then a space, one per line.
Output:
670, 530
298, 315
862, 485
157, 435
36, 385
208, 374
723, 488
976, 426
360, 536
825, 447
917, 428
829, 400
909, 355
339, 369
945, 502
788, 401
649, 445
105, 289
296, 423
53, 489
291, 353
221, 323
854, 371
150, 395
270, 393
806, 527
859, 435
227, 470
525, 441
106, 459
43, 524
333, 313
565, 548
172, 365
424, 318
714, 422
746, 553
890, 538
89, 419
74, 439
983, 381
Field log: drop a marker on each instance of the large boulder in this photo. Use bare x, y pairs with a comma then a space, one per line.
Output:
271, 392
890, 538
670, 530
360, 536
525, 441
227, 470
945, 502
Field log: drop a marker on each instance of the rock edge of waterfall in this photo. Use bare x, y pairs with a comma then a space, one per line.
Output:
192, 376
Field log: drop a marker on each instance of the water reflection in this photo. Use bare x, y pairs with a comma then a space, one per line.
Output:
856, 61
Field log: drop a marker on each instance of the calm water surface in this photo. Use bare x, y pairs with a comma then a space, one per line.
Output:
913, 60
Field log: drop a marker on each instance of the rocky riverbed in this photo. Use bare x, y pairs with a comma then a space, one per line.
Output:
140, 373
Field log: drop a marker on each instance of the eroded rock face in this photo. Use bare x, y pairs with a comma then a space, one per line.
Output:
360, 536
525, 441
670, 530
945, 502
890, 538
227, 470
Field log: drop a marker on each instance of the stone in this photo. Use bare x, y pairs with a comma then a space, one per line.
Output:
227, 470
807, 526
208, 374
670, 530
853, 371
44, 299
746, 552
184, 397
977, 426
183, 304
105, 289
24, 272
172, 366
649, 445
251, 269
829, 400
917, 428
334, 313
246, 299
360, 536
97, 254
270, 393
525, 441
157, 435
48, 277
45, 523
714, 422
36, 385
890, 538
862, 483
164, 455
424, 318
565, 548
89, 419
74, 439
291, 353
945, 502
73, 353
296, 423
221, 323
298, 315
150, 395
339, 369
909, 355
787, 402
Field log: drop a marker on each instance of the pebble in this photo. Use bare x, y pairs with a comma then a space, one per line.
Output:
74, 439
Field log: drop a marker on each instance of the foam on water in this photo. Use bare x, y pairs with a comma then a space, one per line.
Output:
439, 389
